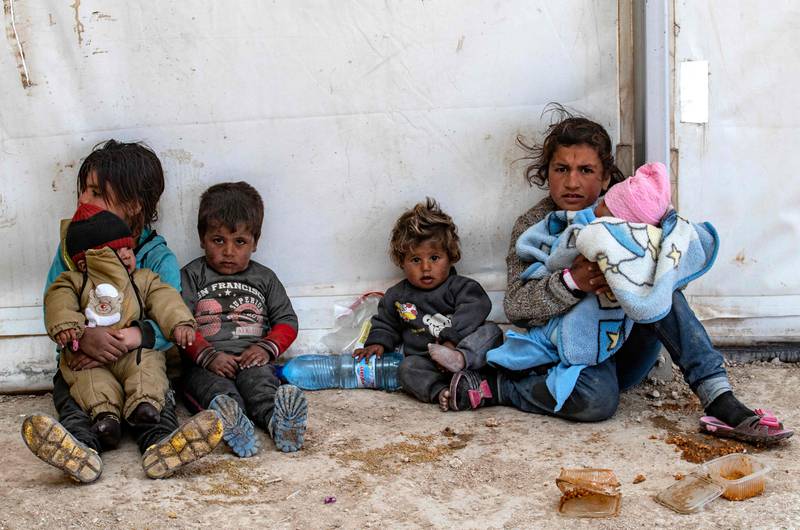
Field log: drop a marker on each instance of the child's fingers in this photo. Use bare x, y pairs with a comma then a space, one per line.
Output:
231, 367
186, 336
91, 363
79, 362
259, 359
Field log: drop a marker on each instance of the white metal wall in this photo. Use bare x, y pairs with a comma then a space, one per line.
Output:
738, 169
342, 114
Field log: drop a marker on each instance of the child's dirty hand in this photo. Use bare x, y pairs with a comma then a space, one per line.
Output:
369, 351
65, 337
183, 336
104, 345
588, 276
225, 365
253, 356
81, 361
131, 337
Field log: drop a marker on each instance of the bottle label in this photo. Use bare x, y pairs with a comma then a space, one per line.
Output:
365, 372
363, 334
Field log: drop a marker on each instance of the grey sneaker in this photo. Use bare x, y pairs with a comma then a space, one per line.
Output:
287, 427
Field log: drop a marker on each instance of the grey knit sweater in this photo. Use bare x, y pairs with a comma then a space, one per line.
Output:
535, 302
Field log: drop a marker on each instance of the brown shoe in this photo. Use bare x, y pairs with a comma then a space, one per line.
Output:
144, 413
188, 443
106, 426
53, 444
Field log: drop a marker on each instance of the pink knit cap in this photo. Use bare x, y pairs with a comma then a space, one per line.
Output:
642, 198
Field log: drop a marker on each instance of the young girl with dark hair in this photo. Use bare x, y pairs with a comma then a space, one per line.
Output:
127, 180
575, 164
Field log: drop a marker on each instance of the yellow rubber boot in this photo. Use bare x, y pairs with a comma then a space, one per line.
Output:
188, 443
52, 443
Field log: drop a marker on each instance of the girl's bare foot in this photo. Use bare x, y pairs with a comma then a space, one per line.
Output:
444, 398
448, 358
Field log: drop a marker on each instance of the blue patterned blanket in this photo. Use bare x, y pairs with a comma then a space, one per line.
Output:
643, 266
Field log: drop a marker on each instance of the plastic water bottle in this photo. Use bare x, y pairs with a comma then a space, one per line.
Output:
316, 372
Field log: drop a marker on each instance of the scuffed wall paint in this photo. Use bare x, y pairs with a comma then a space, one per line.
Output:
7, 218
340, 114
12, 34
78, 24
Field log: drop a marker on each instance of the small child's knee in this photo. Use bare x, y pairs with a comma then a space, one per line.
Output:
601, 413
407, 367
600, 410
590, 408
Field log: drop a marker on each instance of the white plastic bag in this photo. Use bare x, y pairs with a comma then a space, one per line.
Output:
352, 323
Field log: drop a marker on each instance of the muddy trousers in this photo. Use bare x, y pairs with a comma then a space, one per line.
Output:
253, 389
422, 378
596, 393
118, 387
79, 424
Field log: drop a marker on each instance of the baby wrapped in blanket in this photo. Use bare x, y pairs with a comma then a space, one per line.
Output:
642, 263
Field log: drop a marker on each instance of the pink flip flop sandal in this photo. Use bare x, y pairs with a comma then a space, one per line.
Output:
763, 428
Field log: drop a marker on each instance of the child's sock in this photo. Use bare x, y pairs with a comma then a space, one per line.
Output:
729, 409
107, 427
448, 358
287, 426
239, 432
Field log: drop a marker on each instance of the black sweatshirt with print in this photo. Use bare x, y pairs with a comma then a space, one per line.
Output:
416, 317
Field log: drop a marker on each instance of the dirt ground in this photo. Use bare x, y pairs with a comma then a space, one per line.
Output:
392, 462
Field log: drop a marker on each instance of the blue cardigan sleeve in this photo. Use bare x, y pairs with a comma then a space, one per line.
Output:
162, 261
56, 268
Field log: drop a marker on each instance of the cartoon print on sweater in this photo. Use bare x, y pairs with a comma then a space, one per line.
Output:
407, 311
436, 323
104, 307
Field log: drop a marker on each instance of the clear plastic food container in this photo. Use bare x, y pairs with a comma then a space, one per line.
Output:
691, 494
742, 475
588, 492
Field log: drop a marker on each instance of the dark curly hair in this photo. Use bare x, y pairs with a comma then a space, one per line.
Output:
229, 204
133, 172
567, 129
424, 221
